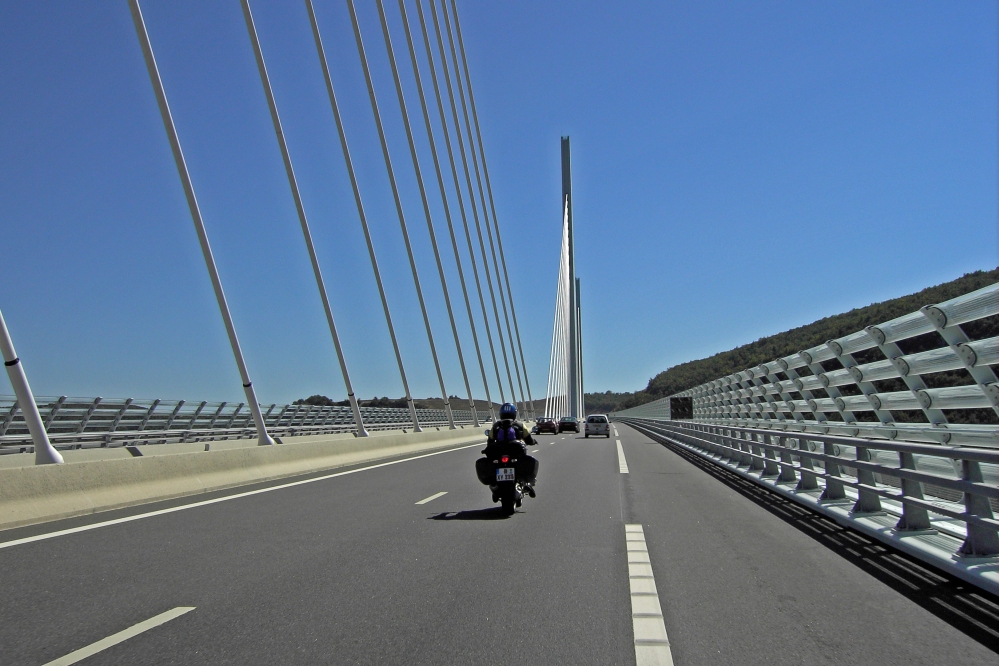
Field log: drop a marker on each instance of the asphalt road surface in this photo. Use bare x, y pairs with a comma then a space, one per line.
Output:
378, 567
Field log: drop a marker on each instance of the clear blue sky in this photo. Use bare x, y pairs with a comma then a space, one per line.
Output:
739, 168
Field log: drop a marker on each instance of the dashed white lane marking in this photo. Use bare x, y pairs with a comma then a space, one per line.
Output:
651, 642
615, 432
432, 497
622, 464
160, 512
134, 630
534, 450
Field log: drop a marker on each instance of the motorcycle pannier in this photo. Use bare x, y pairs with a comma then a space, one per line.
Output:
485, 471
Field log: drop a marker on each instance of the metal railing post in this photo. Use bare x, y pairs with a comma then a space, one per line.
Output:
753, 446
809, 480
11, 413
173, 415
913, 517
770, 466
867, 501
787, 469
90, 413
834, 489
50, 417
981, 541
149, 415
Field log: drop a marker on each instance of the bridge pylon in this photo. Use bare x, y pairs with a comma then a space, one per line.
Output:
565, 376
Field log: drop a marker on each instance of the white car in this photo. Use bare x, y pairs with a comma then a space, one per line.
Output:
597, 424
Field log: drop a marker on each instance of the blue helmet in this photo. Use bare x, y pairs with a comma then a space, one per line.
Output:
508, 411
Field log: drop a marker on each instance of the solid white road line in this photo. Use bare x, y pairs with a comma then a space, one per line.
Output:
432, 497
622, 464
160, 512
651, 642
105, 643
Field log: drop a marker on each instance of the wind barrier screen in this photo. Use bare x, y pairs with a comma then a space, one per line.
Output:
99, 422
924, 377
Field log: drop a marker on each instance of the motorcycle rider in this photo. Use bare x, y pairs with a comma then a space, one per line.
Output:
499, 436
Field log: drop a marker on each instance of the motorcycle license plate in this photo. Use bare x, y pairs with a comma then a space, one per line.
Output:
506, 474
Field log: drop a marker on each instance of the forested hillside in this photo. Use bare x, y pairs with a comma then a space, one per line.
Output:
690, 374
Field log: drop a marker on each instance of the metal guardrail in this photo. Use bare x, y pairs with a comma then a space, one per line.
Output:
97, 422
848, 386
933, 501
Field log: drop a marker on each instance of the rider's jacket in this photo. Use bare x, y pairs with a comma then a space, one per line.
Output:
520, 431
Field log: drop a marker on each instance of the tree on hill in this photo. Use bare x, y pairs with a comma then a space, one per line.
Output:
322, 401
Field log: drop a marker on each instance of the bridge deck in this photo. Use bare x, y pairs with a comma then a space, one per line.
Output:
353, 570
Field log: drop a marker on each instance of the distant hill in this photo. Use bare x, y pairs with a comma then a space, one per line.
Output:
399, 403
692, 373
602, 403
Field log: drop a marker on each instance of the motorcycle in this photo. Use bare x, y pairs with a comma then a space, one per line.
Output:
509, 472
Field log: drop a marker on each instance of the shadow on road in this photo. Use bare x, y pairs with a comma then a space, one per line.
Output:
494, 513
959, 604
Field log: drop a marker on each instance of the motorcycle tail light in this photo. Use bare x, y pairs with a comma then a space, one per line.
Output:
505, 459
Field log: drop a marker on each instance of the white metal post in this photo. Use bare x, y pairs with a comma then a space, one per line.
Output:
457, 46
45, 454
360, 209
471, 199
199, 225
398, 205
557, 370
471, 194
457, 189
426, 205
579, 354
492, 203
303, 221
443, 191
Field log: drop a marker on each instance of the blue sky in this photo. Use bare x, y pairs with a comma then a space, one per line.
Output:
739, 169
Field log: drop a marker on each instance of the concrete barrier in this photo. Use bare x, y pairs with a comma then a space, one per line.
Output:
35, 494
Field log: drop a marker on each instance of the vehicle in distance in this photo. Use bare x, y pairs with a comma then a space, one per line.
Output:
546, 424
568, 423
596, 424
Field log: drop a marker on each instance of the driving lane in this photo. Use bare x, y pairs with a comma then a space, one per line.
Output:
761, 582
346, 570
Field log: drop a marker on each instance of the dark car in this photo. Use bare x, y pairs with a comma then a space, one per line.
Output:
568, 423
547, 425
